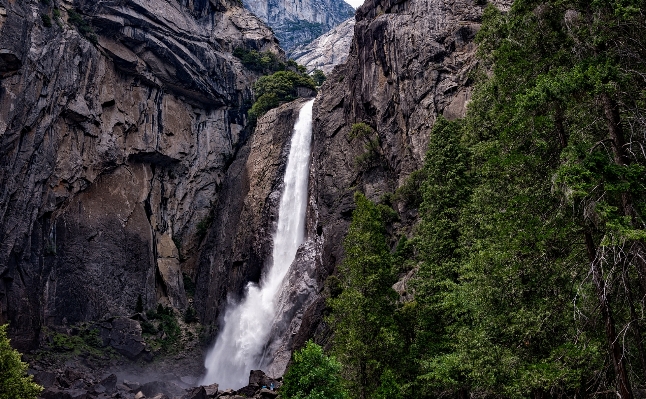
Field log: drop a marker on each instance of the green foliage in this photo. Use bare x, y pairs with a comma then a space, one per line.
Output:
148, 328
14, 381
371, 144
280, 87
167, 324
56, 13
263, 104
365, 337
313, 375
82, 25
47, 21
319, 77
528, 253
360, 130
84, 340
265, 61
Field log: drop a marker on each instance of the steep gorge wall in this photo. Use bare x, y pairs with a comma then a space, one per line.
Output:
112, 154
409, 63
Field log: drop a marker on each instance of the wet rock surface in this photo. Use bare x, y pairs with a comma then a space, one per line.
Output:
239, 244
112, 154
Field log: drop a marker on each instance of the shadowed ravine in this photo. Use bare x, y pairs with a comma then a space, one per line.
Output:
247, 324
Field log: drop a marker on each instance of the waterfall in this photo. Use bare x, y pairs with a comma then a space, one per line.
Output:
245, 331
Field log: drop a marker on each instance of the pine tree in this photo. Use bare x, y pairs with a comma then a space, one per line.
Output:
14, 382
313, 375
365, 337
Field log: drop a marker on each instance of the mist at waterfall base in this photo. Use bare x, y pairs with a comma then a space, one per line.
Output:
245, 331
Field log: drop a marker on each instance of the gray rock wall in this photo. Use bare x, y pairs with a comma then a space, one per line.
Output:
240, 242
112, 154
299, 22
327, 51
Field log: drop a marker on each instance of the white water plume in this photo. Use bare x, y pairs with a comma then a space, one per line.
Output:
239, 346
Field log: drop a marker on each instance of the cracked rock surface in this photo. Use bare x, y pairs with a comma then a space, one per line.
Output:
111, 154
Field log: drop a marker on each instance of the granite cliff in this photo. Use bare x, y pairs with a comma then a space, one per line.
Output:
118, 122
299, 22
328, 50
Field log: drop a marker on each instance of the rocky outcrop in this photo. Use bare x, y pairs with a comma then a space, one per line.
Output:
124, 335
410, 61
112, 155
299, 22
328, 50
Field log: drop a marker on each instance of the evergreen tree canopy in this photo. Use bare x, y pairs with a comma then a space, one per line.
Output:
14, 381
313, 375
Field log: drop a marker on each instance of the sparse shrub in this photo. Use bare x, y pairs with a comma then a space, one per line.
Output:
319, 77
360, 130
82, 25
92, 337
203, 226
148, 327
47, 21
371, 154
409, 192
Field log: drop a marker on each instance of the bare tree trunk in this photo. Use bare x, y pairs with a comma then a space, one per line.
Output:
616, 349
634, 321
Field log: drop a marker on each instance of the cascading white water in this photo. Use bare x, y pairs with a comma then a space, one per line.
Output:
239, 346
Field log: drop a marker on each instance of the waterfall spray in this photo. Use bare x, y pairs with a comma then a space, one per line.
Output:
245, 331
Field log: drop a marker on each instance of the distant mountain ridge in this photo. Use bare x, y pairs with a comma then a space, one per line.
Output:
327, 51
297, 23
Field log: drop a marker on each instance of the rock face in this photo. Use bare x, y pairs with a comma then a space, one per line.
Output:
409, 63
328, 50
112, 155
299, 22
239, 244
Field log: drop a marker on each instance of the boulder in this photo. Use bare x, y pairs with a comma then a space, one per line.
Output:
196, 393
211, 390
45, 378
124, 335
169, 389
248, 391
267, 394
110, 383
